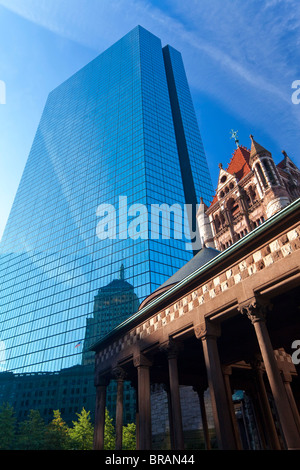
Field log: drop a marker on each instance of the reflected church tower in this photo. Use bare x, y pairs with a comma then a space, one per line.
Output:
113, 304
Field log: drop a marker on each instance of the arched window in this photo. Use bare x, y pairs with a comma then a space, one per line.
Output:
251, 196
222, 219
233, 207
269, 171
261, 175
217, 223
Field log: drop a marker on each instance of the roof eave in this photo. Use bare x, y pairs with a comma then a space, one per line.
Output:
224, 254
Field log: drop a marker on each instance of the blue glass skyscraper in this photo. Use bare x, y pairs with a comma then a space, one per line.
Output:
116, 139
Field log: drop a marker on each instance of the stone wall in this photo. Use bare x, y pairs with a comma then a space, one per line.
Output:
191, 417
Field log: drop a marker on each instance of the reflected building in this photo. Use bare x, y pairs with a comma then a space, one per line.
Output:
71, 389
113, 304
122, 127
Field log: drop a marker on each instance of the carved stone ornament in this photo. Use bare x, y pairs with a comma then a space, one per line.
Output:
205, 329
101, 380
170, 348
256, 362
200, 330
256, 309
141, 361
118, 373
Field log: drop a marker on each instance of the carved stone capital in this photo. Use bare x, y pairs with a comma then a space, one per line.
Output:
227, 370
170, 348
255, 309
256, 363
201, 386
141, 361
118, 374
101, 380
207, 329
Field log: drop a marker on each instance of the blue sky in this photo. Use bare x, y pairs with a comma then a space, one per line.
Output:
241, 57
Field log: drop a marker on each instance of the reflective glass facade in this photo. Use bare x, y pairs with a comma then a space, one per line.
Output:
121, 132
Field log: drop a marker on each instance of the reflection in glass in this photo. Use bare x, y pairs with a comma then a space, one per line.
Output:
123, 125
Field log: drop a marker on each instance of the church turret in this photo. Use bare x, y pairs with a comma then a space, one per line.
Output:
270, 184
204, 226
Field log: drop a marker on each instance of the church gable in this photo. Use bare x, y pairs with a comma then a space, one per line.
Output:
226, 183
250, 190
237, 169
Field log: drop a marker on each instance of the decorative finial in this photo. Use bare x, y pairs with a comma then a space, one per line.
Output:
284, 153
220, 165
251, 136
234, 135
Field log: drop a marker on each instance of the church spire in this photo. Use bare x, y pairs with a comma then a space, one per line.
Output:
122, 272
257, 149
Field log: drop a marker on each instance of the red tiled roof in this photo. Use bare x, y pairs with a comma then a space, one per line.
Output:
238, 165
215, 199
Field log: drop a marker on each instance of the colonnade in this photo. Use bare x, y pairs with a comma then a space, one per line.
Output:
218, 379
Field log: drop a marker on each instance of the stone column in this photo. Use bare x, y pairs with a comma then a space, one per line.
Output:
144, 403
171, 426
256, 312
101, 384
172, 352
137, 417
200, 392
227, 371
119, 375
229, 221
208, 333
244, 211
287, 379
270, 429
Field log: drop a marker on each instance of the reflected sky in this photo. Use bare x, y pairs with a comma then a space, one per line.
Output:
106, 132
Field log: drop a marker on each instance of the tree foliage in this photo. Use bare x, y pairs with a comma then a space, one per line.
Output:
109, 432
7, 427
34, 434
129, 437
57, 433
82, 432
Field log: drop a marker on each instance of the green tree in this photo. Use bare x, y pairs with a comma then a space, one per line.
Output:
32, 431
7, 427
129, 437
57, 433
82, 432
109, 432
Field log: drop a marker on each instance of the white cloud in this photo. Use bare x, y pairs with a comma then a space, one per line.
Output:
241, 53
229, 34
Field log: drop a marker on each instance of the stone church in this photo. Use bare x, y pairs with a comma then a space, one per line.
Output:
213, 348
249, 191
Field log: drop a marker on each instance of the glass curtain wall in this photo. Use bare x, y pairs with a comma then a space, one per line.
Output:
82, 247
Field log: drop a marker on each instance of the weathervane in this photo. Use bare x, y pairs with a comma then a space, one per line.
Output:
234, 135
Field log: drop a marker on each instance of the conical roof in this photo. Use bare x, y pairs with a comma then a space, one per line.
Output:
256, 148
